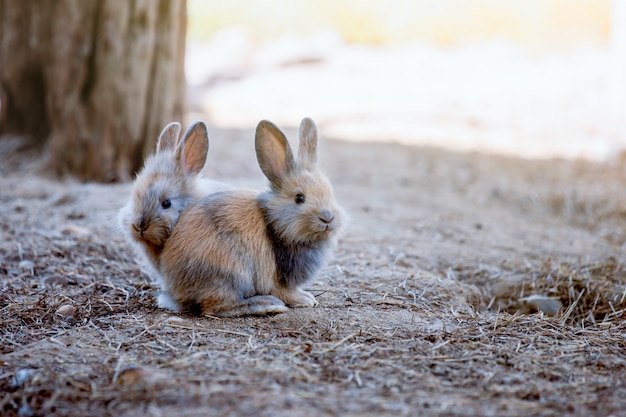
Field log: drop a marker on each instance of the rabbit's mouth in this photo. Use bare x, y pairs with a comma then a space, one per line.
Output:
322, 228
325, 222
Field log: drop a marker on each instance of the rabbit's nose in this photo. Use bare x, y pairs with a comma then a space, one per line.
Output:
326, 216
141, 226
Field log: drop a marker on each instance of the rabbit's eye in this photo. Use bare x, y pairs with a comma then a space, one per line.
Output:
166, 203
299, 199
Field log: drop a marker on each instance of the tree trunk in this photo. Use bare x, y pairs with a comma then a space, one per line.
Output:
95, 80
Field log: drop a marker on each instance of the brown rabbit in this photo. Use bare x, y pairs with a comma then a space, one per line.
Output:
239, 252
162, 189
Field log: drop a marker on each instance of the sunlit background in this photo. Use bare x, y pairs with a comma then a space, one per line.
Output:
533, 78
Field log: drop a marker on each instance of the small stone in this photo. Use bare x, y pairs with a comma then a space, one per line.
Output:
75, 231
22, 376
57, 279
66, 311
549, 306
27, 265
175, 320
132, 375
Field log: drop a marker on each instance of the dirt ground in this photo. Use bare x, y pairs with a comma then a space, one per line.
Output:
425, 309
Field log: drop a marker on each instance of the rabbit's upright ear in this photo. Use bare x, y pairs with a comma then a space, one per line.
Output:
273, 152
307, 151
193, 148
168, 137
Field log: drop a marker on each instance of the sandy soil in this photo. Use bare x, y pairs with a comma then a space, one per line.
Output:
420, 313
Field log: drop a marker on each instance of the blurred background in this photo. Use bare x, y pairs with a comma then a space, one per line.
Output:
532, 78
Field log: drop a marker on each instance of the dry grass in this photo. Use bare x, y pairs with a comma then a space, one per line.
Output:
592, 294
117, 356
402, 328
588, 295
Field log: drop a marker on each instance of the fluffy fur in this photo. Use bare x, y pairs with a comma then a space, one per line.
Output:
239, 252
162, 189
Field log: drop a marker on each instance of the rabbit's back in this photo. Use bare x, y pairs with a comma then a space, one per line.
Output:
218, 248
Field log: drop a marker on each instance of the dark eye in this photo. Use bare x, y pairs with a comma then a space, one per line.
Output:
299, 199
166, 203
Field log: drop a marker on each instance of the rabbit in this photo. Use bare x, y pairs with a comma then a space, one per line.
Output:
165, 185
241, 252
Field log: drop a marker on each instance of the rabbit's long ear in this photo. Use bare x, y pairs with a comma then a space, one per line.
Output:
168, 137
273, 152
193, 148
307, 151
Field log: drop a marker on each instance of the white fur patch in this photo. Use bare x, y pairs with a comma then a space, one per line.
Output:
165, 301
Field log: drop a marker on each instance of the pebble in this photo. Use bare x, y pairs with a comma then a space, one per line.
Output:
132, 375
22, 376
66, 311
28, 265
56, 279
75, 231
550, 306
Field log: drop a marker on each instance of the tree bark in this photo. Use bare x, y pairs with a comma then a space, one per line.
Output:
93, 80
